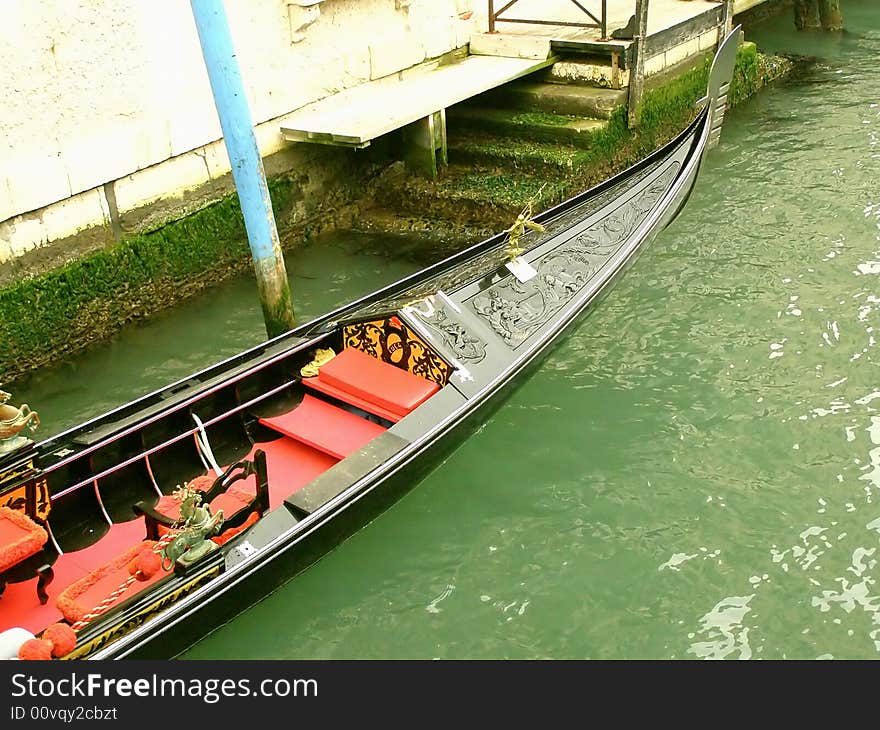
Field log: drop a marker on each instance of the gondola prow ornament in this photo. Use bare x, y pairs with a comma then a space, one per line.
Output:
12, 421
518, 229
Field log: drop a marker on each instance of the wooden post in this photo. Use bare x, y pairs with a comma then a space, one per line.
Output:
637, 69
830, 15
726, 20
491, 16
247, 164
424, 145
806, 14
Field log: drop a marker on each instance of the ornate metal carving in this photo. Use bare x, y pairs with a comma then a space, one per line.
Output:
14, 420
515, 310
198, 524
495, 257
391, 341
611, 231
466, 346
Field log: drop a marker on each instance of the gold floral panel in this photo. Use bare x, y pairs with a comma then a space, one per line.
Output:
391, 341
30, 497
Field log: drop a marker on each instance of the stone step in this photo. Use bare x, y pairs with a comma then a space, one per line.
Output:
533, 126
570, 100
539, 157
478, 199
408, 233
591, 72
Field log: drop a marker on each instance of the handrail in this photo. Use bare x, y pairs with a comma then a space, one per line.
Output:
173, 440
601, 22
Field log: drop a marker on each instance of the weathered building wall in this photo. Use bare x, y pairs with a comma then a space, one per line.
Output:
108, 124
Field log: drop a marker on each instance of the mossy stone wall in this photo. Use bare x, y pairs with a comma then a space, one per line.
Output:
64, 310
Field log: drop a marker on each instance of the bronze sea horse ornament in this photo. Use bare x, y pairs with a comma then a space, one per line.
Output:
198, 526
14, 420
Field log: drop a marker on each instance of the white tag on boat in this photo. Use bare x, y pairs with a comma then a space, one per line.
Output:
521, 269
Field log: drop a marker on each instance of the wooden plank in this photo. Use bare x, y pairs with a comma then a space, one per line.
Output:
597, 48
293, 135
740, 6
358, 115
682, 32
637, 76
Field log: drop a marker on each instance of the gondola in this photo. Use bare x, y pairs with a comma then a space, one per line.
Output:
135, 533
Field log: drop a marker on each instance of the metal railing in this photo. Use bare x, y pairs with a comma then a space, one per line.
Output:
601, 22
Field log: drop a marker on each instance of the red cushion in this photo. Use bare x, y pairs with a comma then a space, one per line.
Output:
376, 382
88, 592
227, 535
233, 500
325, 427
20, 537
352, 400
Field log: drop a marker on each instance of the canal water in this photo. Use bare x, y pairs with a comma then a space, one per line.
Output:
693, 473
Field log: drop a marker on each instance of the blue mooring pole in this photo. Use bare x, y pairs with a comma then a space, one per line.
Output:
247, 165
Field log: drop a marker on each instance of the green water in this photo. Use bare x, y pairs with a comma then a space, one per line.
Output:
693, 473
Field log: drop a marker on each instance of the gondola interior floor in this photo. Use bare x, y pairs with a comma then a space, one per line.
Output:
291, 465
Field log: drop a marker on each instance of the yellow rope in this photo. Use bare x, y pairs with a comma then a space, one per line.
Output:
322, 357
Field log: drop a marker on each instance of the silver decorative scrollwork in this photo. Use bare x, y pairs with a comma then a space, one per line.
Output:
515, 310
466, 346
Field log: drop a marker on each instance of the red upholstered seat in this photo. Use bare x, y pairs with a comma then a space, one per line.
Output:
377, 387
325, 427
88, 592
20, 537
169, 505
237, 497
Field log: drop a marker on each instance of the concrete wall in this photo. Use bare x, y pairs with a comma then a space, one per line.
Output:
740, 6
108, 110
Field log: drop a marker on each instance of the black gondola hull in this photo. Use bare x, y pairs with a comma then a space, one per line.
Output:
294, 556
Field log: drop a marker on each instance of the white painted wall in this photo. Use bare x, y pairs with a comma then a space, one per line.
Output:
95, 92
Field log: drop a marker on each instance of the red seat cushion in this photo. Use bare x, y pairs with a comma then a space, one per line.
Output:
236, 498
353, 400
20, 537
375, 382
169, 505
325, 427
83, 596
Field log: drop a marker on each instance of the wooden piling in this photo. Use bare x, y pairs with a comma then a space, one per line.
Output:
637, 74
806, 14
726, 20
247, 164
830, 15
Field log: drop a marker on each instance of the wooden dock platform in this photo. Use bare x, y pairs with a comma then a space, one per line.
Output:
416, 101
356, 116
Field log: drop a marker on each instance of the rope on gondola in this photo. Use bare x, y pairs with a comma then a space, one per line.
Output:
142, 570
59, 639
518, 229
